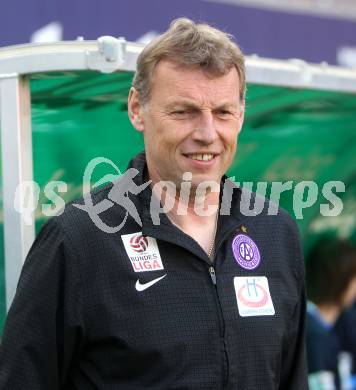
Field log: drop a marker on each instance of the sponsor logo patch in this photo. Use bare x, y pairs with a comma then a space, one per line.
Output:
143, 252
253, 296
246, 252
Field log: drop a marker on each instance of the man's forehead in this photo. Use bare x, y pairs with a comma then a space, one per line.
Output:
185, 82
173, 69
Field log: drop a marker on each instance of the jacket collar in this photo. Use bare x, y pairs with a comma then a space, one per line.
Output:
229, 219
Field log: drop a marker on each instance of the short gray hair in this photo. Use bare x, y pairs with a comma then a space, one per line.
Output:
193, 45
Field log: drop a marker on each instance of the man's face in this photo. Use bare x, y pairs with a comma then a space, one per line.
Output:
190, 123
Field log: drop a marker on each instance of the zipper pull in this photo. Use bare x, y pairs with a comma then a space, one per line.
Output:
212, 274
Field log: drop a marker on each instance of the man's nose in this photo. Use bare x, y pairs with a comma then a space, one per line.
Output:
205, 130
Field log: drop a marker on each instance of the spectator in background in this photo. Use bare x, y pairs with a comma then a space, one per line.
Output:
331, 288
346, 330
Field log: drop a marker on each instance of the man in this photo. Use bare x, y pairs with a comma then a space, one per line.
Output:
198, 295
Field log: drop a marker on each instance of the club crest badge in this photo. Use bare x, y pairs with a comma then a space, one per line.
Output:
246, 252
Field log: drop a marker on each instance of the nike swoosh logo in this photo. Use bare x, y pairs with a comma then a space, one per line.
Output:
142, 287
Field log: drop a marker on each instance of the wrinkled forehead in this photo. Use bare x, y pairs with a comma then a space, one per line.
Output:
171, 78
172, 65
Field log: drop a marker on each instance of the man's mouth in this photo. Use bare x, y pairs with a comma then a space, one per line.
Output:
201, 156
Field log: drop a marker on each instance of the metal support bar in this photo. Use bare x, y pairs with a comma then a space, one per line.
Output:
16, 143
107, 54
296, 73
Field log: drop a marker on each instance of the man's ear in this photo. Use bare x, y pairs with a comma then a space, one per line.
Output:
135, 110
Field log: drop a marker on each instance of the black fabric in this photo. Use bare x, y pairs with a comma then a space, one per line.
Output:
323, 348
77, 321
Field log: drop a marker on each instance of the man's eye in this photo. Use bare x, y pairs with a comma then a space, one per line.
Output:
181, 114
224, 114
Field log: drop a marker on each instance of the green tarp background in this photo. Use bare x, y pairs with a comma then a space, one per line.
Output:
289, 135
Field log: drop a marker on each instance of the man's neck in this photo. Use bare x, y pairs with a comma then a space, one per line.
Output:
199, 209
195, 215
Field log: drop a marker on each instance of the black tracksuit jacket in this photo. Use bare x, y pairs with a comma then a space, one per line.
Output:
78, 322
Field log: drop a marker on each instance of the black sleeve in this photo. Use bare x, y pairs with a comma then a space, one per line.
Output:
294, 372
42, 329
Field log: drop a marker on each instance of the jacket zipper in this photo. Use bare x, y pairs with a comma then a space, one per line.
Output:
226, 369
212, 275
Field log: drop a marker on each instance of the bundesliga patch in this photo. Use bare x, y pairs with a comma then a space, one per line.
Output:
253, 296
143, 252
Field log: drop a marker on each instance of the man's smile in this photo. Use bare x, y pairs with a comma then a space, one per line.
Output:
201, 156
